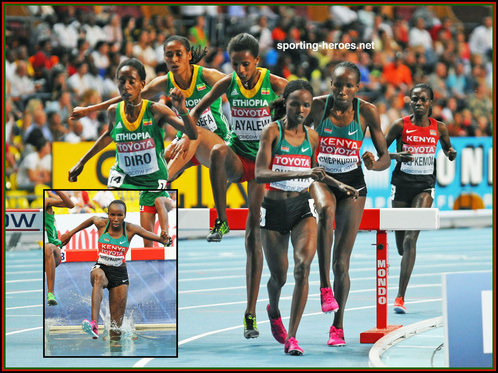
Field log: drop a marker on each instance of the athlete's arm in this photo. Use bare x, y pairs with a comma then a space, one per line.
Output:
80, 111
97, 220
395, 132
218, 89
212, 76
186, 124
133, 229
155, 86
278, 84
371, 116
317, 108
104, 140
62, 201
444, 138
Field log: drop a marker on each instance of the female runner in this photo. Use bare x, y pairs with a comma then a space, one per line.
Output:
286, 162
195, 82
136, 125
250, 91
53, 244
341, 120
414, 177
110, 270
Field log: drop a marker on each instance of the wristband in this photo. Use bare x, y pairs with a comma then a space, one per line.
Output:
185, 114
179, 135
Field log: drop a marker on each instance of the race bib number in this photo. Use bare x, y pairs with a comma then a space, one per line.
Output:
262, 219
338, 155
207, 121
421, 165
115, 179
312, 206
248, 123
162, 184
137, 158
290, 163
109, 260
63, 256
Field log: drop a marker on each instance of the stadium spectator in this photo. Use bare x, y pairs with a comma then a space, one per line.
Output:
80, 82
36, 167
481, 38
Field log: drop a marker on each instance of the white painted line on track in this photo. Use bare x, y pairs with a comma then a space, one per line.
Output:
24, 330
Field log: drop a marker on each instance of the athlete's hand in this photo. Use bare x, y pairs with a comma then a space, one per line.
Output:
74, 172
452, 154
166, 240
369, 160
405, 156
180, 147
349, 190
65, 238
318, 173
79, 112
178, 100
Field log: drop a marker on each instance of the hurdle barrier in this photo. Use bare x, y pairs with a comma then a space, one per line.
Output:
379, 220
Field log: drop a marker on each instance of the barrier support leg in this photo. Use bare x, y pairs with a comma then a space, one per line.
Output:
372, 335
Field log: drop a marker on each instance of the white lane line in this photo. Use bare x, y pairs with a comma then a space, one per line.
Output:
24, 330
20, 307
23, 272
24, 280
23, 292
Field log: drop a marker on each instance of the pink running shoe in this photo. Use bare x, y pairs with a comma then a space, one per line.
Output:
292, 348
91, 328
336, 337
277, 328
329, 304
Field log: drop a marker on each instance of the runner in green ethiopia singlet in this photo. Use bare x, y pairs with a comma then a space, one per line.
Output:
213, 118
250, 111
140, 162
51, 230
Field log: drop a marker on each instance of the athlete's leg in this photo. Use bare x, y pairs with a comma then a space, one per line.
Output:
161, 204
400, 235
52, 260
201, 148
224, 166
275, 247
147, 221
117, 305
254, 264
325, 203
303, 238
421, 200
99, 282
348, 217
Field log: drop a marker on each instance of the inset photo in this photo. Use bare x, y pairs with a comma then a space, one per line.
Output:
110, 273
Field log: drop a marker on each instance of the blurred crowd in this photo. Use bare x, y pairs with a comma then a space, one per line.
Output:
59, 57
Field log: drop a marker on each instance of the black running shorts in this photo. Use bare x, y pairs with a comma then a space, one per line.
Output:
407, 194
283, 215
116, 276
